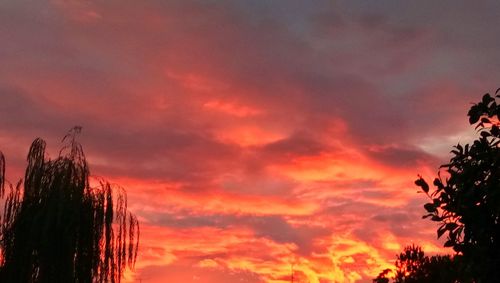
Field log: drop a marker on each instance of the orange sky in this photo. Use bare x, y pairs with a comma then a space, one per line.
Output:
253, 137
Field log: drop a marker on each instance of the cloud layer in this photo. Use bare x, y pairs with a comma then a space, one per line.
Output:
255, 139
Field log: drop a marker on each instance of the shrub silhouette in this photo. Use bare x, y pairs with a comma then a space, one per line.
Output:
413, 266
56, 227
467, 202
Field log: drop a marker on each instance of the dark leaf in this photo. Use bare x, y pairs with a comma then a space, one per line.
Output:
430, 207
449, 243
487, 99
474, 114
440, 231
427, 216
451, 226
422, 184
438, 183
436, 218
495, 131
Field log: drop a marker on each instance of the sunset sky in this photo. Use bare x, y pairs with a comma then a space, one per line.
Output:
253, 136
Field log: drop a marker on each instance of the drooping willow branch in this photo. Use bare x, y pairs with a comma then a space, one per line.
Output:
57, 228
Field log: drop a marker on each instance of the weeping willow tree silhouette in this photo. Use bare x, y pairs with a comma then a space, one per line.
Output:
56, 227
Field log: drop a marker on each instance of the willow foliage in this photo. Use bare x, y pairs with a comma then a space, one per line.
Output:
55, 227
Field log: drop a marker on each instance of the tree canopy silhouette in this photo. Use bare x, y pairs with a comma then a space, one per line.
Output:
466, 202
413, 266
56, 227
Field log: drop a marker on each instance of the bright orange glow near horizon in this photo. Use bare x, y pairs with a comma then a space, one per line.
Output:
255, 139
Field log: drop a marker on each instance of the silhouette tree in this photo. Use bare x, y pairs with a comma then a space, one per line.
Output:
410, 265
466, 202
56, 227
383, 276
413, 266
